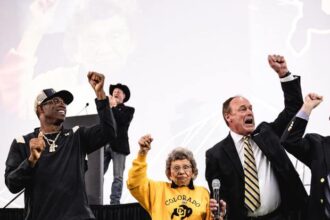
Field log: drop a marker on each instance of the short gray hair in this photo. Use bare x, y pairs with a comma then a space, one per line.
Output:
180, 153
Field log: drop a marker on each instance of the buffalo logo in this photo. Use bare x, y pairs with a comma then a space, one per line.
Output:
182, 212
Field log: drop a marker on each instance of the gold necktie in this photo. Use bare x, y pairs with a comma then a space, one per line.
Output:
251, 193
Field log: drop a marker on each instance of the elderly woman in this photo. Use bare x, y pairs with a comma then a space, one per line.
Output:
179, 199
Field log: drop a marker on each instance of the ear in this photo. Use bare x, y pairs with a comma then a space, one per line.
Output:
40, 110
228, 117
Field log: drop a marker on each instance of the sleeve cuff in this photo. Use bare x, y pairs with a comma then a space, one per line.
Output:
303, 115
288, 77
141, 157
25, 165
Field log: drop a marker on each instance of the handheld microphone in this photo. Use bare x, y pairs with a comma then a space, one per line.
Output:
216, 195
84, 108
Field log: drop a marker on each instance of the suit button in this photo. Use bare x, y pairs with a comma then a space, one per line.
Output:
321, 201
322, 180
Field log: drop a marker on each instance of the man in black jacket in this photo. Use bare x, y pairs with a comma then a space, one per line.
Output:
49, 163
273, 190
314, 151
119, 148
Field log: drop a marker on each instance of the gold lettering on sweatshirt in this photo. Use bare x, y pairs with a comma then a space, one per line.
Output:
182, 199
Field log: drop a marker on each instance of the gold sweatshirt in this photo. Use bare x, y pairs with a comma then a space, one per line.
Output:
163, 202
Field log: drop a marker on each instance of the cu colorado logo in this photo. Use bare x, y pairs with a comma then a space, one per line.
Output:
182, 212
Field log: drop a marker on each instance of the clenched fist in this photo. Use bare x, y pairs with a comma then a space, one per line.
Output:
277, 62
97, 81
37, 146
144, 143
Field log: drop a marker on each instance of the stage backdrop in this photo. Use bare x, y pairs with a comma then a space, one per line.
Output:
180, 58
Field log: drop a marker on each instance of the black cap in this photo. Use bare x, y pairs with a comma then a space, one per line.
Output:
48, 94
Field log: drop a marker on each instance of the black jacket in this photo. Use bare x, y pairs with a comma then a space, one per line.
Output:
223, 163
123, 115
314, 151
55, 186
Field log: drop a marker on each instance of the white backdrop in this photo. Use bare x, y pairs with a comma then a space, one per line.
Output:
180, 58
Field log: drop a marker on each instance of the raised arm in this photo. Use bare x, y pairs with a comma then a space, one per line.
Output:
97, 136
138, 183
292, 138
292, 93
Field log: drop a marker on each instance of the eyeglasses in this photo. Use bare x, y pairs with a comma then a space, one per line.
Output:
186, 168
54, 101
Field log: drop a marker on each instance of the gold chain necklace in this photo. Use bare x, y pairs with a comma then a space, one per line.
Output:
52, 143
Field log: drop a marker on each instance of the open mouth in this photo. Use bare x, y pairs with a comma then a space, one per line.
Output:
61, 111
249, 121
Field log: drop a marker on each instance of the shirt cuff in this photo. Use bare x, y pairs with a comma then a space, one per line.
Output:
303, 115
290, 77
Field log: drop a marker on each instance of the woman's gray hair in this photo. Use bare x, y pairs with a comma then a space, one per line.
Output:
180, 153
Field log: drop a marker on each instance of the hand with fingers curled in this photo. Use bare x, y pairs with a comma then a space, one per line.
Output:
312, 100
278, 64
214, 206
145, 144
112, 101
37, 146
97, 82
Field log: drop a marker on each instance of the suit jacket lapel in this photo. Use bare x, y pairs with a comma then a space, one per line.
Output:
268, 151
229, 148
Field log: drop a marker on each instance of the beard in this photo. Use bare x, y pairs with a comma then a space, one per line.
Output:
59, 121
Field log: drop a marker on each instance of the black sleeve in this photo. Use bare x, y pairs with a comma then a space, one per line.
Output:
97, 136
293, 101
294, 142
211, 170
18, 173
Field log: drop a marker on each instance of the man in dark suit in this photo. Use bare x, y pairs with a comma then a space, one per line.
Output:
275, 190
314, 151
119, 148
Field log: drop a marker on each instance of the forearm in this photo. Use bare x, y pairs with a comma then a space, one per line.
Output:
138, 183
137, 175
95, 137
19, 178
292, 103
100, 95
293, 141
107, 120
41, 17
293, 99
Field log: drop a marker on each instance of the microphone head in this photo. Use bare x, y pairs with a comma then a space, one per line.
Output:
87, 104
216, 184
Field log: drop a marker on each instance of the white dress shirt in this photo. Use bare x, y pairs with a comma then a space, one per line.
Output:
270, 198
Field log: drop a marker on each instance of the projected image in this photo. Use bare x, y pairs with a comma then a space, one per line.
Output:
93, 37
313, 19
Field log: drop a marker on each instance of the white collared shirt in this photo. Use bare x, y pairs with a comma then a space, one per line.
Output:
270, 197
